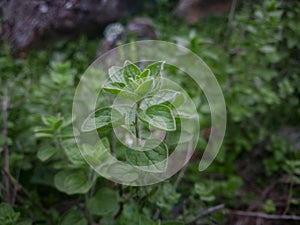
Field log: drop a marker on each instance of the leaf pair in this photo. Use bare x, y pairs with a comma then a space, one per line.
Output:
101, 119
131, 71
154, 160
130, 78
158, 116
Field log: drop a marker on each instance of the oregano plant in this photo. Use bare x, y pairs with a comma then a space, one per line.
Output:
144, 118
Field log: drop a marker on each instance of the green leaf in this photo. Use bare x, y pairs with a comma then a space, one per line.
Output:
101, 118
130, 70
25, 222
72, 182
45, 153
154, 160
155, 69
131, 213
127, 95
165, 96
205, 192
172, 223
123, 172
74, 155
143, 220
54, 121
116, 74
165, 197
145, 73
268, 49
104, 202
178, 136
158, 116
42, 135
96, 154
209, 198
145, 87
7, 215
73, 217
114, 87
132, 84
269, 206
44, 130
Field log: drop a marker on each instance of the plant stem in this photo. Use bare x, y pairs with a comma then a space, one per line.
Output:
262, 215
6, 180
88, 215
137, 133
119, 212
177, 182
231, 19
288, 201
113, 143
206, 212
18, 186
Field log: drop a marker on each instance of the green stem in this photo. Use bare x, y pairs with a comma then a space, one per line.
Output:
6, 182
137, 133
113, 143
87, 213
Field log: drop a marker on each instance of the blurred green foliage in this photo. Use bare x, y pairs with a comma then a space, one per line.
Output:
256, 61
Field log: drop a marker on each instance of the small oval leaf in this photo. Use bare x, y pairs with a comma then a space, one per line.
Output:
158, 116
155, 69
101, 118
72, 182
130, 70
145, 87
154, 160
73, 217
46, 153
116, 74
114, 87
105, 201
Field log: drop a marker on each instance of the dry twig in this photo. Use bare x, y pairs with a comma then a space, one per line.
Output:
262, 215
206, 212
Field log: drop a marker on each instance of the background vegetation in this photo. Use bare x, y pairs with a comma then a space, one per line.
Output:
255, 56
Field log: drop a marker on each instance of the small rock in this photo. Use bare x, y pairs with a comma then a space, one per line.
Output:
142, 28
113, 31
68, 5
138, 28
43, 8
192, 10
28, 23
